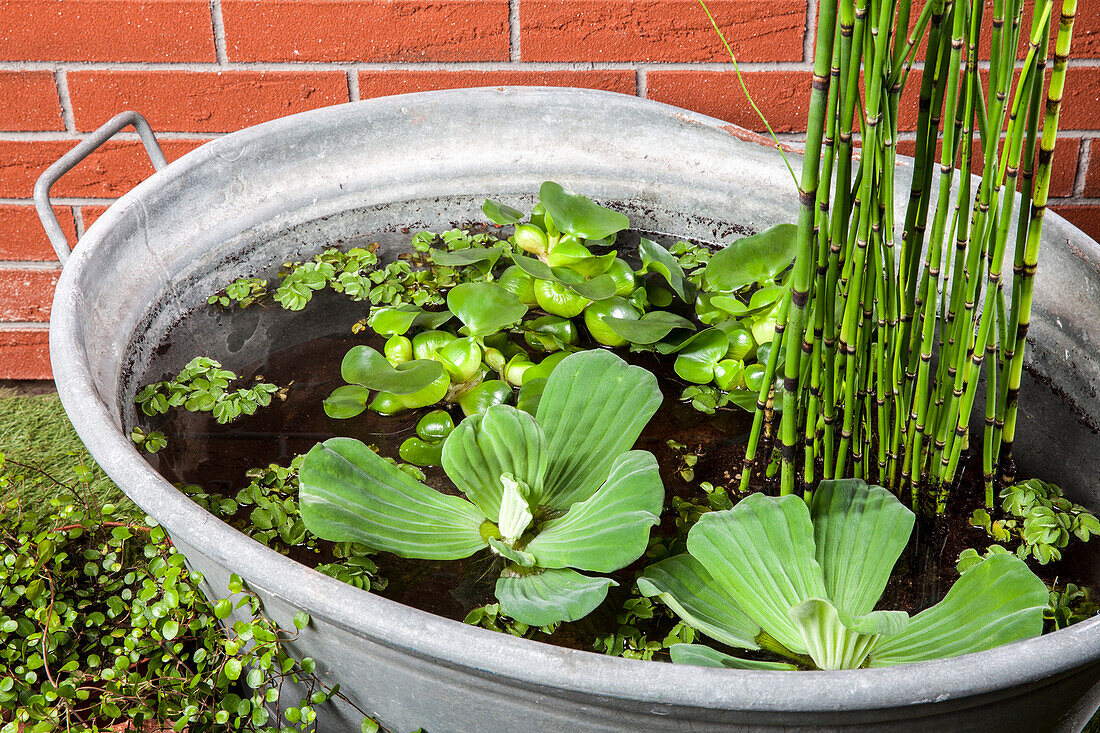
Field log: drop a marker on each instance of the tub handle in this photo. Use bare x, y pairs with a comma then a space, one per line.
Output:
69, 160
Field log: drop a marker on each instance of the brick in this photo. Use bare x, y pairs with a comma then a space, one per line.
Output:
1086, 218
200, 101
25, 295
1063, 172
381, 83
106, 30
1092, 173
660, 30
25, 353
30, 101
1081, 99
366, 30
88, 214
22, 236
783, 96
109, 172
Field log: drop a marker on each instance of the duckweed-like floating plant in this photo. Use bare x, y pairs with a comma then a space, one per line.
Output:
551, 493
803, 581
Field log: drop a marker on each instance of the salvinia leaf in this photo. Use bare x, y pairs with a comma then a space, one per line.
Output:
860, 531
610, 529
704, 656
485, 307
593, 408
484, 447
755, 259
656, 258
762, 553
350, 493
834, 643
995, 602
364, 366
685, 586
550, 596
579, 215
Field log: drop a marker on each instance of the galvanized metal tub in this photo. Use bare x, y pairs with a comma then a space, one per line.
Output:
246, 202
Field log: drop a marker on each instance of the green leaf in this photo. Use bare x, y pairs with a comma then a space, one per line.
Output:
704, 656
519, 557
464, 257
483, 448
364, 366
656, 258
995, 602
685, 586
517, 507
579, 215
755, 259
697, 360
834, 643
650, 328
762, 553
530, 394
346, 401
232, 668
397, 320
301, 620
850, 518
593, 408
610, 529
597, 288
484, 307
349, 492
550, 596
502, 214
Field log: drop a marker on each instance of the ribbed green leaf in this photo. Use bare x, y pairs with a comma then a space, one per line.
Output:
860, 531
685, 586
593, 408
350, 493
704, 656
483, 447
995, 602
762, 553
610, 529
836, 643
550, 596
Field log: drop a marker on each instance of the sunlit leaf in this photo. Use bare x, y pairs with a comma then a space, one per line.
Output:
849, 519
550, 596
502, 214
755, 259
609, 529
482, 448
995, 602
762, 553
593, 408
650, 328
579, 215
656, 258
685, 586
364, 366
484, 307
703, 656
350, 493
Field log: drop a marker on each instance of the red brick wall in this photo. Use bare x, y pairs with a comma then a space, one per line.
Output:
199, 68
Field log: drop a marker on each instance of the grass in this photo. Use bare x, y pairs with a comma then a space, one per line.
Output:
35, 432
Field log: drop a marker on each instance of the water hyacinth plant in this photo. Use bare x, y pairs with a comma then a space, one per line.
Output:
551, 493
803, 581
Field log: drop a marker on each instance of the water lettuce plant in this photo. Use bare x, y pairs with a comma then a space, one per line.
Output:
551, 493
803, 581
